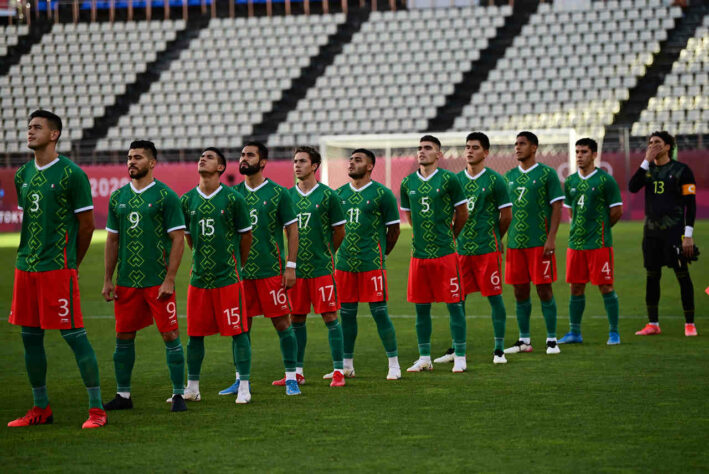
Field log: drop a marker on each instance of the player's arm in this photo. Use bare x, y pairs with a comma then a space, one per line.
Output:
245, 245
288, 280
86, 231
461, 215
637, 181
393, 232
178, 246
338, 235
505, 220
188, 239
550, 244
689, 199
407, 216
615, 213
110, 258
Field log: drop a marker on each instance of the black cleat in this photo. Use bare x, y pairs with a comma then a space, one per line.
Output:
178, 403
119, 403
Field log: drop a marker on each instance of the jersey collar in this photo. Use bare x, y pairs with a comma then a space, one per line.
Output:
587, 177
253, 190
42, 168
211, 195
309, 192
360, 189
476, 176
527, 171
418, 172
142, 190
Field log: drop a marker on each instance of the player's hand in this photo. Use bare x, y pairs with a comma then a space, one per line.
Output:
167, 289
688, 247
288, 280
549, 247
652, 152
108, 291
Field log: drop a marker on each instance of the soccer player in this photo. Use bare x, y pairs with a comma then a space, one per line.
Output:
219, 234
432, 199
146, 237
372, 230
670, 210
57, 224
593, 198
267, 275
536, 211
321, 228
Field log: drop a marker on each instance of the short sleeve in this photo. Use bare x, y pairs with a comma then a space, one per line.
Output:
174, 220
612, 192
241, 214
567, 193
113, 224
286, 210
502, 195
337, 214
404, 195
554, 187
456, 191
18, 188
389, 210
80, 192
688, 185
185, 204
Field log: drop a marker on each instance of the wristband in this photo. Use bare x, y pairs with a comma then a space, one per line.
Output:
290, 264
688, 231
645, 165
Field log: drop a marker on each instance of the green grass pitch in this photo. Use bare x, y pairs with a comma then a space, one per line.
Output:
640, 406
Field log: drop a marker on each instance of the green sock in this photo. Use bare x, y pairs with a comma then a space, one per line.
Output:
424, 328
549, 312
458, 327
334, 337
385, 328
289, 348
36, 363
524, 313
348, 312
123, 361
576, 306
499, 319
241, 348
176, 365
610, 301
301, 337
195, 356
86, 360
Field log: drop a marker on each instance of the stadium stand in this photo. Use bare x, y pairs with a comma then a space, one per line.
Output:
10, 35
682, 102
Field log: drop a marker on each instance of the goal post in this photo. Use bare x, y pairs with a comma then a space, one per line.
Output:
396, 153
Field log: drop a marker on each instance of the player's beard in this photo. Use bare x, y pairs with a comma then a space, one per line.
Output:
248, 170
137, 173
356, 175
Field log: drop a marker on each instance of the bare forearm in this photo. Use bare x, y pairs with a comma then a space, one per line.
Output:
505, 219
110, 256
461, 215
392, 237
554, 220
178, 247
84, 234
338, 235
245, 246
292, 236
615, 214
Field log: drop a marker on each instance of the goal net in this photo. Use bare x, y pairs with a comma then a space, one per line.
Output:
396, 154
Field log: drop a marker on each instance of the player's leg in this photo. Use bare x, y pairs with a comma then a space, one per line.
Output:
123, 362
334, 338
487, 277
175, 357
299, 297
424, 329
686, 288
289, 351
387, 334
348, 313
546, 296
458, 330
195, 357
653, 259
577, 304
499, 322
610, 301
517, 274
601, 269
419, 292
241, 348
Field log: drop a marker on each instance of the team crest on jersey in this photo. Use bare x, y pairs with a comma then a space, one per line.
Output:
222, 211
121, 206
53, 184
264, 203
317, 205
150, 204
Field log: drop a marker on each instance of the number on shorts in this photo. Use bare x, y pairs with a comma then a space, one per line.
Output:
232, 316
454, 285
378, 283
279, 297
34, 197
134, 219
171, 309
547, 265
303, 219
426, 205
330, 289
495, 278
63, 307
207, 226
606, 268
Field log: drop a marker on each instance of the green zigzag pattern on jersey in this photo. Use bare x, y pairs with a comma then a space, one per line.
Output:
353, 236
520, 218
305, 254
135, 245
62, 212
35, 237
207, 250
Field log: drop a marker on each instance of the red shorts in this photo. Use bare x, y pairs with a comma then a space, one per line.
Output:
595, 265
481, 273
321, 292
266, 296
48, 300
434, 280
365, 287
135, 309
216, 310
525, 265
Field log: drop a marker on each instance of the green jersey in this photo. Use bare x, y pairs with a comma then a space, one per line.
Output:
432, 202
532, 192
270, 208
368, 210
50, 197
142, 219
318, 211
214, 223
487, 194
590, 199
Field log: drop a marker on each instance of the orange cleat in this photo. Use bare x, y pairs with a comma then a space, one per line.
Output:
690, 329
97, 419
35, 416
649, 330
282, 382
338, 379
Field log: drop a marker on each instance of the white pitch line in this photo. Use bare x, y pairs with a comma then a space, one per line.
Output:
435, 316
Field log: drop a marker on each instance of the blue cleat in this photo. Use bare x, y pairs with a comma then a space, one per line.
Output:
292, 387
613, 338
571, 338
231, 390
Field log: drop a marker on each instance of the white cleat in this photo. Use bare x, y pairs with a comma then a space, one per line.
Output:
394, 373
244, 394
459, 365
445, 358
553, 347
519, 347
499, 358
189, 395
420, 365
348, 373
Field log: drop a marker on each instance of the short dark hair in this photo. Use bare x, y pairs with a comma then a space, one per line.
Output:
262, 150
665, 136
432, 139
589, 142
532, 138
220, 156
369, 154
55, 123
146, 145
481, 137
314, 155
